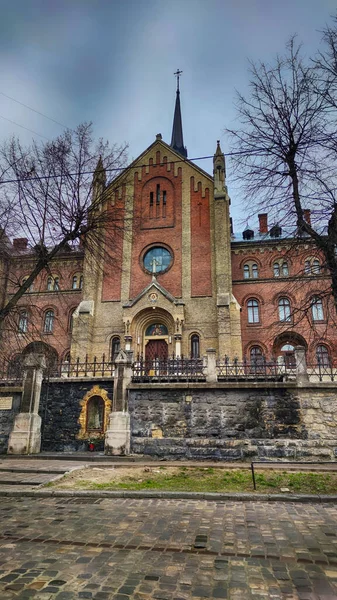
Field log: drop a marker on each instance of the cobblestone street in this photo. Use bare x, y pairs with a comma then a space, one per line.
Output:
163, 549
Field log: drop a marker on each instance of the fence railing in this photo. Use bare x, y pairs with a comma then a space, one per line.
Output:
256, 370
180, 369
86, 368
171, 369
322, 372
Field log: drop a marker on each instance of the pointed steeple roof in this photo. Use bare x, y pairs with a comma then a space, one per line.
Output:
177, 140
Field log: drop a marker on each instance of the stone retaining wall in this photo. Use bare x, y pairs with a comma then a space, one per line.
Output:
235, 423
60, 410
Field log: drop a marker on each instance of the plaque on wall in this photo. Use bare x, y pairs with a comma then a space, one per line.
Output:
6, 402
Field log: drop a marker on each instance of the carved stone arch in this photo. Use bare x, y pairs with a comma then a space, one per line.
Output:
148, 316
95, 391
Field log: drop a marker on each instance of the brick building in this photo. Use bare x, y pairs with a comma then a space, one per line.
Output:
181, 282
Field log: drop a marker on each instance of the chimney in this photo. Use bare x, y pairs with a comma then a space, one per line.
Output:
263, 223
307, 215
20, 244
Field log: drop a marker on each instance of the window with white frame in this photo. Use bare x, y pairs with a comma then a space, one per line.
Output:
317, 309
48, 324
284, 309
250, 270
253, 311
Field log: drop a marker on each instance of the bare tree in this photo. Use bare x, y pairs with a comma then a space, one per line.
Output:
287, 148
53, 194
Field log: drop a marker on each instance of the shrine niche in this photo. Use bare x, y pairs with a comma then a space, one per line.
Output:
94, 417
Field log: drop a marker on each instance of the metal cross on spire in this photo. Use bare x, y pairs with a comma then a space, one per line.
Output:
177, 74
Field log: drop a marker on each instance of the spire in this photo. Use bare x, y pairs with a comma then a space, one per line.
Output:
177, 141
99, 180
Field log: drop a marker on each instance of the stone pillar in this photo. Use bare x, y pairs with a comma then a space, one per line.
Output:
177, 351
128, 341
25, 437
117, 437
301, 365
211, 373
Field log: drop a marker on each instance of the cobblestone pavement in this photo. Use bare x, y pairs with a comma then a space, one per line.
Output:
65, 549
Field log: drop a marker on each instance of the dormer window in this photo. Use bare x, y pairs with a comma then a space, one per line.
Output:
248, 234
275, 232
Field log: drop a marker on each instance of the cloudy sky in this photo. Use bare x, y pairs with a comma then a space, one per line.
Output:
112, 62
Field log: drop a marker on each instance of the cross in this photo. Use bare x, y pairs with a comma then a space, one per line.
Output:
177, 74
154, 263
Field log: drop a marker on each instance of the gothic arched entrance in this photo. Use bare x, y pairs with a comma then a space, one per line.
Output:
156, 342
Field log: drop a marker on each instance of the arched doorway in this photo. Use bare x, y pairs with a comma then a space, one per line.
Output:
284, 348
156, 342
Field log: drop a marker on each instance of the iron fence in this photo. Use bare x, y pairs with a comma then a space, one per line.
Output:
322, 372
86, 368
172, 369
260, 370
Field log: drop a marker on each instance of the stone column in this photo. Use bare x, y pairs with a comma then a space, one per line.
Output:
25, 437
117, 437
301, 365
211, 374
177, 339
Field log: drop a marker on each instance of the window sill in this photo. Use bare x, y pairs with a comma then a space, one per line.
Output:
254, 324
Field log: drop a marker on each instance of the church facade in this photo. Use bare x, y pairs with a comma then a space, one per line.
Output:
176, 280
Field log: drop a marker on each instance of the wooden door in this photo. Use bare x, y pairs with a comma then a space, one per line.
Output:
156, 349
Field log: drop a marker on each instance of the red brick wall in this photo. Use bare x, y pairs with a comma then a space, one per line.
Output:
201, 276
158, 230
36, 303
267, 289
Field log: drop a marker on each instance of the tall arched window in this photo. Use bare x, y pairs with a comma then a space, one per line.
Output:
317, 309
49, 284
115, 348
284, 309
316, 267
48, 325
256, 355
285, 269
246, 273
80, 285
56, 284
23, 322
74, 283
253, 311
195, 346
322, 355
71, 320
276, 269
250, 271
307, 267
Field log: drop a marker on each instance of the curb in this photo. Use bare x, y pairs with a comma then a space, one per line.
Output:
208, 496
